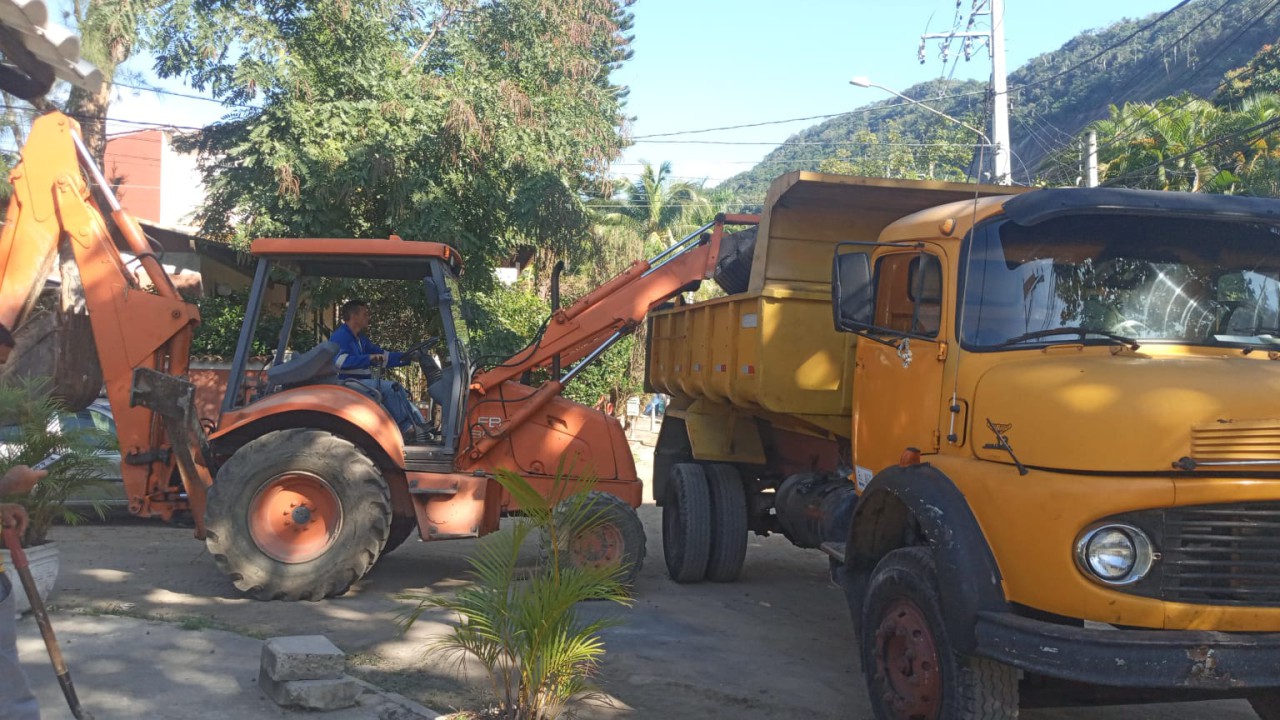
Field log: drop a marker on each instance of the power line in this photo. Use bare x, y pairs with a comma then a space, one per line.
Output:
1130, 130
865, 110
1107, 49
162, 91
805, 143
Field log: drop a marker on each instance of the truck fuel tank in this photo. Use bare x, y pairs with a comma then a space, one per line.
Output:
813, 508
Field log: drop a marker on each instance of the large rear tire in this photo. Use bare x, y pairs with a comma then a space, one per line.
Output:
911, 669
402, 526
728, 523
686, 524
615, 537
297, 515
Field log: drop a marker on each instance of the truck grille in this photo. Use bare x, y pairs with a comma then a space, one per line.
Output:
1222, 554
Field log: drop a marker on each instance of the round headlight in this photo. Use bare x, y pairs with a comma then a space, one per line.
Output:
1115, 554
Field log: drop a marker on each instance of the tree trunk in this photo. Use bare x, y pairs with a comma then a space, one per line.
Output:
90, 110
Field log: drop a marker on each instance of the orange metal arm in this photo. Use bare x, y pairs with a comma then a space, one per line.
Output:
132, 328
620, 304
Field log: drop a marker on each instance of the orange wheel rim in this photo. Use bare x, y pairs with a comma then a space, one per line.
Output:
601, 546
906, 663
295, 517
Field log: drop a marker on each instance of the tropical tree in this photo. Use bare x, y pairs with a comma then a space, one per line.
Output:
1165, 146
473, 123
655, 208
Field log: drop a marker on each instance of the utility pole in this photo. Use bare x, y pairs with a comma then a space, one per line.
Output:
1091, 160
1002, 166
999, 98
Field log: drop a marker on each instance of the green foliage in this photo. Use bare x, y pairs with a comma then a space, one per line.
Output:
1186, 143
523, 625
219, 329
944, 154
504, 320
29, 404
1258, 76
885, 139
474, 123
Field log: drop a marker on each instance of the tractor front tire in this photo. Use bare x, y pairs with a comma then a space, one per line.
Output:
297, 514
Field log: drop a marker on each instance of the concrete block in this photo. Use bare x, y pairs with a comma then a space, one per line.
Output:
302, 657
329, 694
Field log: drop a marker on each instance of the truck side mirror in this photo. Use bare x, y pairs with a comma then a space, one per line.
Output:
852, 294
432, 291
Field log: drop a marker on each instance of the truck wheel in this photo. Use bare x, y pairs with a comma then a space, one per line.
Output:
615, 537
686, 524
728, 523
912, 672
1266, 704
402, 527
297, 515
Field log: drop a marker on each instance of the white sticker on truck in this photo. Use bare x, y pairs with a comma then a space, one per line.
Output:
750, 320
863, 476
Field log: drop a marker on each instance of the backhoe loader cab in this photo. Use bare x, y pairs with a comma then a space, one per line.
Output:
444, 361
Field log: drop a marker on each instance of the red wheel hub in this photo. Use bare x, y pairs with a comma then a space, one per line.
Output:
906, 670
600, 546
295, 517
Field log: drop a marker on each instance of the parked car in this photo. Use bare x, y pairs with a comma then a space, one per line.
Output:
95, 417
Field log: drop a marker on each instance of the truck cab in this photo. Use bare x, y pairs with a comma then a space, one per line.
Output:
1065, 447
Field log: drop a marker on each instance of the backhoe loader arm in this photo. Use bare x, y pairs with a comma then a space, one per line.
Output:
619, 305
51, 210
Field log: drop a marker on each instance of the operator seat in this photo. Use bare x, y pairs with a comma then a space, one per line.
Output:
312, 366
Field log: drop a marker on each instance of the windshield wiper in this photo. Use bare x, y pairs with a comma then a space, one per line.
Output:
1070, 330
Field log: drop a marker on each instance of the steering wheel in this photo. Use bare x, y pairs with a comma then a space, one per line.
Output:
1131, 328
422, 347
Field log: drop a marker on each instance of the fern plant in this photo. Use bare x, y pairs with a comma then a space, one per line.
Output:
29, 405
522, 623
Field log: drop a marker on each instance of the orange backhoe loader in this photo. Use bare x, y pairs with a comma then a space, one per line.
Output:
305, 480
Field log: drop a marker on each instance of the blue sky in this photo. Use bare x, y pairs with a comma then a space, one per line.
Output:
710, 63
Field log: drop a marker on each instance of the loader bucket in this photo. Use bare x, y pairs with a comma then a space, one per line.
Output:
59, 346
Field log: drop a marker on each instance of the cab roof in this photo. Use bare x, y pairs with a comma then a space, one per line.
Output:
391, 258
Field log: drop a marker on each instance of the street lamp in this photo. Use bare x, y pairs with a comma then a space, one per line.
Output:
864, 82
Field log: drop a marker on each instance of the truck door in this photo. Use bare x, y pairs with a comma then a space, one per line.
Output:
898, 382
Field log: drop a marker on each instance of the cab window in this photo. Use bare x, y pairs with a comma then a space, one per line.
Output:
909, 294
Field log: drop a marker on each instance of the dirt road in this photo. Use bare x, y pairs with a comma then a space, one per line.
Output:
776, 644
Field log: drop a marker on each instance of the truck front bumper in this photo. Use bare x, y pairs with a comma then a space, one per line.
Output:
1187, 659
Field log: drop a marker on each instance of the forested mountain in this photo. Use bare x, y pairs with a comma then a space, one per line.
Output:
1052, 97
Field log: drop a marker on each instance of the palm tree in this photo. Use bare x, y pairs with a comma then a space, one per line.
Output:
656, 207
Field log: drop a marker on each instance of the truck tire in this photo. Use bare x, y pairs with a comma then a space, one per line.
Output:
911, 669
686, 524
1266, 704
615, 537
402, 526
289, 479
728, 523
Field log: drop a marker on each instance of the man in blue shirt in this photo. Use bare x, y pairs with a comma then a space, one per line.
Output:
356, 357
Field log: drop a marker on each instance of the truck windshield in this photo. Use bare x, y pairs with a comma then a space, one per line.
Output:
1108, 279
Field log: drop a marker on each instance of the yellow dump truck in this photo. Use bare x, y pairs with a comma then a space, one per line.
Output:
1038, 433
